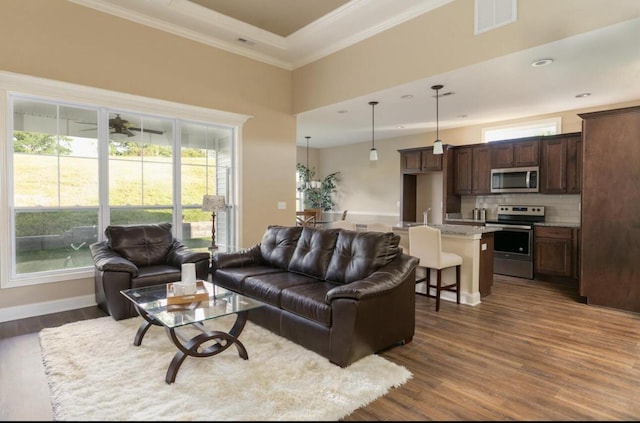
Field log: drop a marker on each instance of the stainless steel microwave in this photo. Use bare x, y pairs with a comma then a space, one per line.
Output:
515, 179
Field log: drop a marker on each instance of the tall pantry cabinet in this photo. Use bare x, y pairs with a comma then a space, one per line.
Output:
610, 211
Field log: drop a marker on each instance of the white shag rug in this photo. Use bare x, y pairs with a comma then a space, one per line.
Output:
96, 373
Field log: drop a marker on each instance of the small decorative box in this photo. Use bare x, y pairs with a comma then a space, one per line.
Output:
202, 294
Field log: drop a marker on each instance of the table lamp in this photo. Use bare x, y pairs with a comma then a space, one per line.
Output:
213, 203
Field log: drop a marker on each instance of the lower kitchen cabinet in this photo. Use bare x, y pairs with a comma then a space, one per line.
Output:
556, 251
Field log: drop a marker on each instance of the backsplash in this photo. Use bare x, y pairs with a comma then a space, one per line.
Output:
558, 208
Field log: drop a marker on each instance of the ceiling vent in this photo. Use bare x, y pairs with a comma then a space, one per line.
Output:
491, 14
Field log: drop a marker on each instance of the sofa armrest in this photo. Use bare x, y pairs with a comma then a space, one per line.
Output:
249, 257
180, 254
378, 283
107, 260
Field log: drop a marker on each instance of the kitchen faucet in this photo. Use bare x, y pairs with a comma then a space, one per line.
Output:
425, 215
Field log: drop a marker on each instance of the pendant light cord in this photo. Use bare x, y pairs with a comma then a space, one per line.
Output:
437, 116
373, 123
307, 175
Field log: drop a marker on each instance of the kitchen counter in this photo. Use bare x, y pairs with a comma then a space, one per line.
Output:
559, 224
454, 230
482, 222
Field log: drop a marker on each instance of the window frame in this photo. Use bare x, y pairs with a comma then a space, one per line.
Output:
39, 89
527, 129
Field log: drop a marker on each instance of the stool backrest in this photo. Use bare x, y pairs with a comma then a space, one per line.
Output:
425, 243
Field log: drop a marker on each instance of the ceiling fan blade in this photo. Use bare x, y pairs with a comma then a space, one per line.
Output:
151, 131
129, 133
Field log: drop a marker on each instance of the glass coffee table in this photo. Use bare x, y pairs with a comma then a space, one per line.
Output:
151, 304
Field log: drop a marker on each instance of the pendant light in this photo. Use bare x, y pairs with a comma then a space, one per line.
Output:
373, 153
437, 144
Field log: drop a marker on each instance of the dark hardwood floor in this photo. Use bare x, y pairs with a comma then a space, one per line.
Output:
532, 350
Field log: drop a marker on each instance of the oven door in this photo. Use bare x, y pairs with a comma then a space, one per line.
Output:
514, 240
513, 250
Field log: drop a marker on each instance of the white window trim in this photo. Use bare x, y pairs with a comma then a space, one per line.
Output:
24, 85
531, 125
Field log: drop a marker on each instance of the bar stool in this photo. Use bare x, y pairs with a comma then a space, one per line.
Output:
425, 243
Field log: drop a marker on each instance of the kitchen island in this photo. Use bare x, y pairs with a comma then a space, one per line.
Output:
475, 245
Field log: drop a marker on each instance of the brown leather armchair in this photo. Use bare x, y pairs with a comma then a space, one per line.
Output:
135, 256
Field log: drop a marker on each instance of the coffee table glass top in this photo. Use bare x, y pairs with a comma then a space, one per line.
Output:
153, 300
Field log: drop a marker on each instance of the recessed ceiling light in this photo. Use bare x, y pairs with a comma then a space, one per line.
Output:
462, 116
407, 96
541, 62
400, 127
343, 111
583, 95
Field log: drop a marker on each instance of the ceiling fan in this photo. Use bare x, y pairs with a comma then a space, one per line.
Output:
120, 126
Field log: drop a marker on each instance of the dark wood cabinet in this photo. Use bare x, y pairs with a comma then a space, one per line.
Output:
560, 164
609, 246
555, 251
420, 160
522, 153
473, 170
463, 170
481, 170
574, 164
417, 164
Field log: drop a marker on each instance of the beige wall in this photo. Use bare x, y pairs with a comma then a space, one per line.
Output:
441, 41
62, 41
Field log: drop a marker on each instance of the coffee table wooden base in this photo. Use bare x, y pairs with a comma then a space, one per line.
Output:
193, 347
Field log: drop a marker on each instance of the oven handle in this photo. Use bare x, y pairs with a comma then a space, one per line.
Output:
501, 226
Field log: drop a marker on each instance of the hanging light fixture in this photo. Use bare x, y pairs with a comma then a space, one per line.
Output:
373, 153
308, 175
437, 144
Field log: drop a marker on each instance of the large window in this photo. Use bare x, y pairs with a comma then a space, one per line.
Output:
74, 169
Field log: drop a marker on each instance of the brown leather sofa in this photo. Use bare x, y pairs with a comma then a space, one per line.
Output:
134, 256
341, 293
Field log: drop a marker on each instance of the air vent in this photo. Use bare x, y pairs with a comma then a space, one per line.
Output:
491, 14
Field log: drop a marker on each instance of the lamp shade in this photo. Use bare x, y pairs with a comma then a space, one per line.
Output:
437, 147
373, 154
213, 203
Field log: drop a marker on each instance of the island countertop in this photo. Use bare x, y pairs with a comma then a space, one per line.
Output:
453, 230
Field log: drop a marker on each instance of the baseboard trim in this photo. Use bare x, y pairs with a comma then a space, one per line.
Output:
47, 307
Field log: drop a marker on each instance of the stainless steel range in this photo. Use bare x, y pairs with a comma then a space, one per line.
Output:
513, 245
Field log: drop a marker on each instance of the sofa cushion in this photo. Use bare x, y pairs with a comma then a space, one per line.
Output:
359, 254
278, 244
308, 300
233, 278
268, 288
144, 245
313, 251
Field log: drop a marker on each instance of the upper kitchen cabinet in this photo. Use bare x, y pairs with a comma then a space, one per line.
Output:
561, 164
425, 186
472, 170
419, 160
521, 153
609, 229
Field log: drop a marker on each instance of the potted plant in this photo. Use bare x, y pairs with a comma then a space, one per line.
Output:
317, 194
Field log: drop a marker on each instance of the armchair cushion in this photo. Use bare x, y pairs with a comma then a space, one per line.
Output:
143, 245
